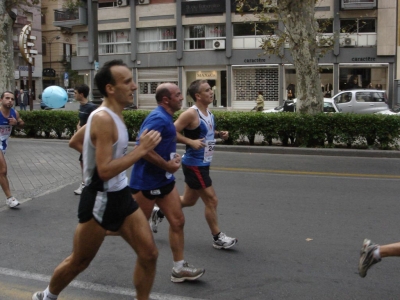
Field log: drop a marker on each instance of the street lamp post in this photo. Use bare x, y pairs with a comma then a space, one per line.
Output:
57, 37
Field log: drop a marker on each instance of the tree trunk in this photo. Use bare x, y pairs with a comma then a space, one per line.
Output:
301, 26
7, 82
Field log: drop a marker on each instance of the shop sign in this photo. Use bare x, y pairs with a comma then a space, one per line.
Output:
203, 7
363, 58
206, 75
254, 60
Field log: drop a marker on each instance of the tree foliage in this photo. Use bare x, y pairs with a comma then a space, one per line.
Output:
300, 31
7, 19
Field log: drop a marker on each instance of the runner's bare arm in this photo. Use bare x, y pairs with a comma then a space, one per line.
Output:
104, 134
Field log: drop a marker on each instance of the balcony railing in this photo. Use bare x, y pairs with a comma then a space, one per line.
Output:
63, 18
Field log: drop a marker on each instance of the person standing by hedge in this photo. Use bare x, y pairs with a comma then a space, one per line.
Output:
9, 117
260, 101
81, 93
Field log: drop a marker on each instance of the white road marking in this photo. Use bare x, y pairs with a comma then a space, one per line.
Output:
91, 286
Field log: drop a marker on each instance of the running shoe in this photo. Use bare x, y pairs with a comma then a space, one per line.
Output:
78, 191
155, 219
187, 272
224, 242
367, 259
12, 202
38, 296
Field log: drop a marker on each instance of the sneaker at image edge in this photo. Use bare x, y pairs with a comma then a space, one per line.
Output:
155, 219
78, 191
367, 259
187, 272
38, 296
12, 202
224, 242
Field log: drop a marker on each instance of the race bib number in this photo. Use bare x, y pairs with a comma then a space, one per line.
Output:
209, 151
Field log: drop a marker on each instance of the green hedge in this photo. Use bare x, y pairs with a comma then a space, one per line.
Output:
321, 130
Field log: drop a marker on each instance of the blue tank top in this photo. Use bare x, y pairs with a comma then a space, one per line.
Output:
5, 129
205, 130
145, 175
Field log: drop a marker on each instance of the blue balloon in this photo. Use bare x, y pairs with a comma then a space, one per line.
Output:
54, 96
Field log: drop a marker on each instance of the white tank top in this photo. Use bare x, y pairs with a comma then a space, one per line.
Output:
120, 148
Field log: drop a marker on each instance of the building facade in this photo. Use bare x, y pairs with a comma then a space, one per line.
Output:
180, 41
24, 16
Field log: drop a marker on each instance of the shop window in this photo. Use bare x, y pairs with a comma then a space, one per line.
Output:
202, 36
150, 87
156, 39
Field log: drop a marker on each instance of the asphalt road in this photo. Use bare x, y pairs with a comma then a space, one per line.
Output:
300, 221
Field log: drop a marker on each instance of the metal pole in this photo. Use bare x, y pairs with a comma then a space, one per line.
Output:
50, 53
30, 87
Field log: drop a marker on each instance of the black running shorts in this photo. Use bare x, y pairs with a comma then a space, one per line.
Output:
197, 177
156, 193
109, 209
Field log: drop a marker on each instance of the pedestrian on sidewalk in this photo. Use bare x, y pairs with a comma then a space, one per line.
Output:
106, 203
23, 100
9, 117
81, 93
152, 180
198, 126
372, 253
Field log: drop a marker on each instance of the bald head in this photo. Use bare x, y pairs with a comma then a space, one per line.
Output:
164, 90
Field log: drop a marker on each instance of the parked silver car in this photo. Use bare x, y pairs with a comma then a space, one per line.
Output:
361, 101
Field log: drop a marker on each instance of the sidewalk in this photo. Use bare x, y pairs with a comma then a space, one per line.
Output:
36, 167
39, 166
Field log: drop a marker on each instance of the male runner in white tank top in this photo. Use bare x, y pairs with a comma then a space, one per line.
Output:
106, 203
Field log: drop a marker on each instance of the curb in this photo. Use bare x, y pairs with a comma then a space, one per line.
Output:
271, 149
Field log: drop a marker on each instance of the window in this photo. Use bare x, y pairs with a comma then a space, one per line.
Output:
202, 36
156, 39
43, 16
325, 25
256, 29
150, 87
114, 42
82, 45
107, 3
358, 25
44, 48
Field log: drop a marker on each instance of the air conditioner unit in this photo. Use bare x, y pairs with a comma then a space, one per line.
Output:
142, 2
349, 42
122, 2
219, 44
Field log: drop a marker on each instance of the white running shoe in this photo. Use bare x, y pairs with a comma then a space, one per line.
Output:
38, 296
12, 202
224, 242
78, 191
155, 219
187, 272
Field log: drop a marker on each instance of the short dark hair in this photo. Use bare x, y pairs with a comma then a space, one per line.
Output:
83, 89
194, 88
104, 75
162, 92
2, 95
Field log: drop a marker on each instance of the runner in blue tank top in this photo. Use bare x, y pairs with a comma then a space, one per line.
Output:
8, 118
198, 126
